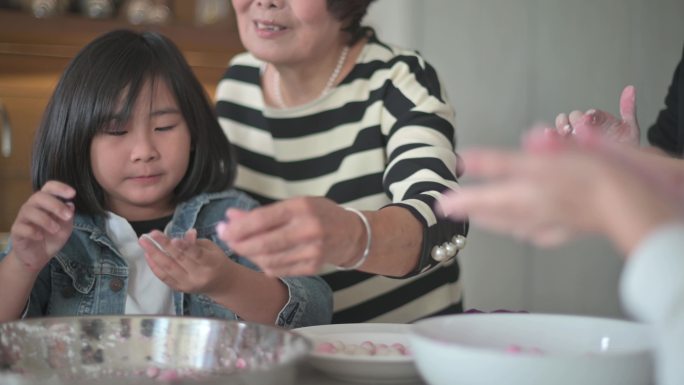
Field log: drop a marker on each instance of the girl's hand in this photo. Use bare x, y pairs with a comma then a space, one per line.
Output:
294, 237
624, 130
187, 264
43, 225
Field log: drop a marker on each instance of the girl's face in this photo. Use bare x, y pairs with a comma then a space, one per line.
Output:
139, 164
287, 31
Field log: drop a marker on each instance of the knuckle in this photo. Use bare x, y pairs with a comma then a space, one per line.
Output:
316, 250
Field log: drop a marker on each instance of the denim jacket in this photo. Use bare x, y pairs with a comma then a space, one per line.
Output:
88, 276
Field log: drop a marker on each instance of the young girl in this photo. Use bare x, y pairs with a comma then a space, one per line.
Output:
132, 175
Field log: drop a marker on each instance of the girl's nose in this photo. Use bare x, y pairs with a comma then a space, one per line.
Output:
144, 148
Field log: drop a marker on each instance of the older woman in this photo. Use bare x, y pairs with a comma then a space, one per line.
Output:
348, 142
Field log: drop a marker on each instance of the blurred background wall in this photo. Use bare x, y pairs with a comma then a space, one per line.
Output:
508, 64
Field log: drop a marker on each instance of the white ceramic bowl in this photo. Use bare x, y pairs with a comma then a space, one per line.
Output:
531, 349
378, 369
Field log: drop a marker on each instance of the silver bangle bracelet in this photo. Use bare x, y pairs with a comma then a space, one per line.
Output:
366, 251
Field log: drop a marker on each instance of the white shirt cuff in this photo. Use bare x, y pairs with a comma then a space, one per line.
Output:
652, 283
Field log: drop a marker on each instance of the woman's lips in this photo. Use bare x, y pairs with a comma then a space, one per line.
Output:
268, 29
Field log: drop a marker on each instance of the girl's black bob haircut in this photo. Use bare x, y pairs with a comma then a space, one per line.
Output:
110, 72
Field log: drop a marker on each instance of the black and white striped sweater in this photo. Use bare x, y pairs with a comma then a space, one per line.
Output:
383, 136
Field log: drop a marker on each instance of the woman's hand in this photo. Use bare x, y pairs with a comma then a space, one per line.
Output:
187, 264
624, 130
547, 197
43, 225
296, 236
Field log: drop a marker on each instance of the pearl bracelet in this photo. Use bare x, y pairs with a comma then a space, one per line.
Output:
366, 251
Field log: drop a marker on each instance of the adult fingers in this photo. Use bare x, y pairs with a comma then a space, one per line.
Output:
551, 236
593, 122
575, 117
244, 224
561, 120
507, 202
542, 139
628, 105
279, 240
563, 126
499, 163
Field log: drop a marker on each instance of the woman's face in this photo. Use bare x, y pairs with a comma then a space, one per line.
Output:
287, 31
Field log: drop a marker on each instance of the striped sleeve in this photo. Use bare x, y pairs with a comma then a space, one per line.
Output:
419, 125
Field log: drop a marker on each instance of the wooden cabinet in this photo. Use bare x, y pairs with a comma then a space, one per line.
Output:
33, 54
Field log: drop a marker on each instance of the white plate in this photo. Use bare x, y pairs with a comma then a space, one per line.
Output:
359, 368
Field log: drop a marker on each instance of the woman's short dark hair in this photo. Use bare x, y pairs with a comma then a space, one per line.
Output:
106, 73
351, 11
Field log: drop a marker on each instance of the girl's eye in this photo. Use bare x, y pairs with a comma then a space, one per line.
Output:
115, 132
165, 128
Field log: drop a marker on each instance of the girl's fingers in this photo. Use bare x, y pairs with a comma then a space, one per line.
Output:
40, 219
25, 231
160, 270
154, 242
168, 267
59, 189
163, 253
191, 236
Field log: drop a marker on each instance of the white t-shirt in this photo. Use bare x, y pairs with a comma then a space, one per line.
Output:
145, 294
652, 289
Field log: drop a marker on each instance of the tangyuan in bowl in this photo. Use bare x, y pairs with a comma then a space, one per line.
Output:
531, 349
147, 350
376, 353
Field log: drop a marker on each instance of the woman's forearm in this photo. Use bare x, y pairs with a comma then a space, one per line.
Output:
396, 244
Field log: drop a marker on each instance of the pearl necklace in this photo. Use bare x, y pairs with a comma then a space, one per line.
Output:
328, 86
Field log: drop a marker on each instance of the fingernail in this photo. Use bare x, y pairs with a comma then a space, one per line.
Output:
221, 227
